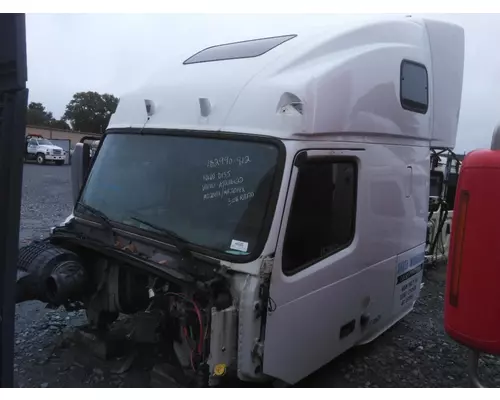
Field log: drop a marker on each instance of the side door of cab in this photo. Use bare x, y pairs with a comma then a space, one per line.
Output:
328, 290
32, 146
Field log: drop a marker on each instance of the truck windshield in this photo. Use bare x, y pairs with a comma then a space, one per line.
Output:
44, 142
213, 192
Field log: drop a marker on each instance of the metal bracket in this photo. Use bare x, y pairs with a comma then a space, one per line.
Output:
473, 367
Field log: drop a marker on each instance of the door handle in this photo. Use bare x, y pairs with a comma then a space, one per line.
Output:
409, 183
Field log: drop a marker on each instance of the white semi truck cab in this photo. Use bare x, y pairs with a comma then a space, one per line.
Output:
268, 205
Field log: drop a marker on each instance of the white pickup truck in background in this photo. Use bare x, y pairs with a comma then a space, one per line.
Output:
42, 150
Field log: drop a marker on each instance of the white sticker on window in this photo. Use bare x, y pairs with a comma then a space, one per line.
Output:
238, 245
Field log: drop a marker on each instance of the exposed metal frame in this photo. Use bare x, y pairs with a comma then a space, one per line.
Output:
473, 369
13, 103
437, 152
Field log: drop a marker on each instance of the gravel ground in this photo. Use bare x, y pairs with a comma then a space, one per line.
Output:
414, 353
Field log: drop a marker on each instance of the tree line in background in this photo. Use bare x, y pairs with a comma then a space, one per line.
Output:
86, 112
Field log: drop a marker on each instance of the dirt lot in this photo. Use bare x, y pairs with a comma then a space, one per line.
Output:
414, 353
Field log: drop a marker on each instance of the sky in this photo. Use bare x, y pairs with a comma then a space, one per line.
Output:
113, 53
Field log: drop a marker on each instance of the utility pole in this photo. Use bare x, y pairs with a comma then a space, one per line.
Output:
13, 103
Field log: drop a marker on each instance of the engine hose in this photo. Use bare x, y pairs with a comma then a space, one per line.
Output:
443, 214
427, 235
431, 213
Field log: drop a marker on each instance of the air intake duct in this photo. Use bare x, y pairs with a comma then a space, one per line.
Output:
50, 274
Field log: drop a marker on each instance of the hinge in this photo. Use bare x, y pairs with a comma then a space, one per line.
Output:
258, 350
266, 268
265, 283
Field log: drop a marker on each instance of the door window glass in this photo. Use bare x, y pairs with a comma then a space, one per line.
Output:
322, 215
